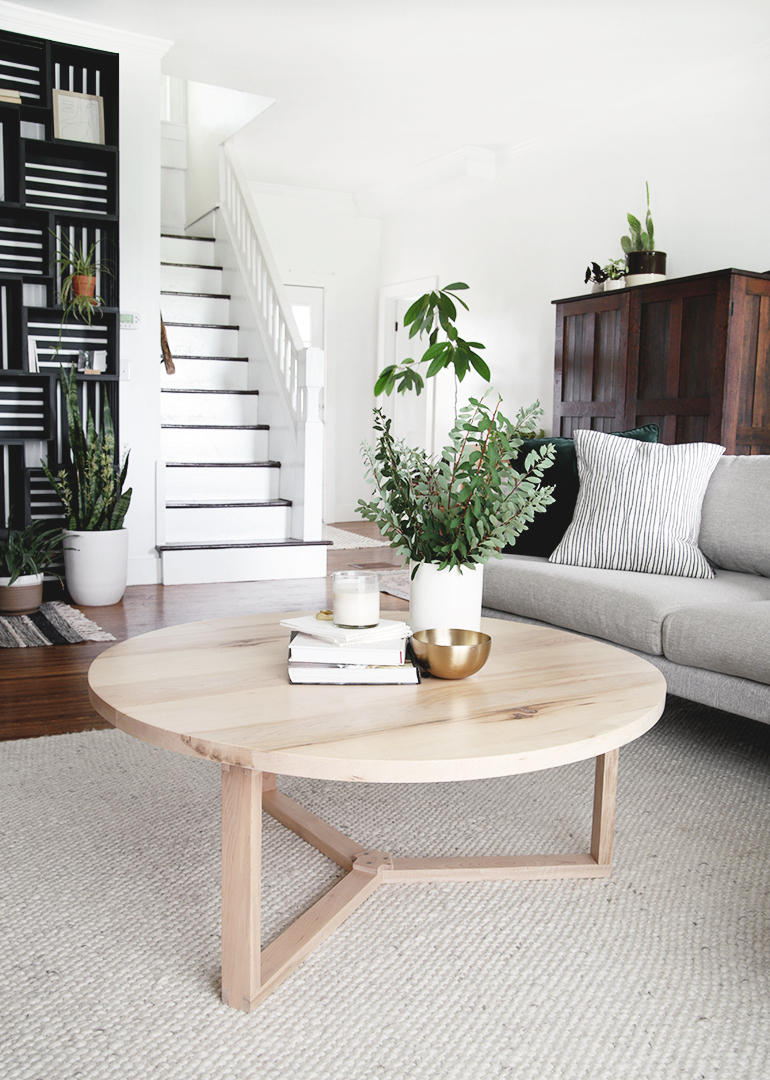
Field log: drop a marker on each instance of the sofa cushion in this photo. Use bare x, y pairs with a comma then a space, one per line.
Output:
639, 506
735, 523
616, 605
543, 534
734, 639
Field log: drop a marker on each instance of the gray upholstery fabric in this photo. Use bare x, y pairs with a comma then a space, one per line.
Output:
741, 696
735, 519
733, 639
616, 605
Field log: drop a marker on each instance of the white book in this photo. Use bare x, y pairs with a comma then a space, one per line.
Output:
354, 674
312, 650
386, 629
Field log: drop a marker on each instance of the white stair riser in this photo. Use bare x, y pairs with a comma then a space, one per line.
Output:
187, 251
226, 524
190, 279
222, 484
209, 408
196, 444
197, 309
201, 341
207, 375
245, 564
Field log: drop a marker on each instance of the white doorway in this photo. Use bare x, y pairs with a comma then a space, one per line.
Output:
307, 305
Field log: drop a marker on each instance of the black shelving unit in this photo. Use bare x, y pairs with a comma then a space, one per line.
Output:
51, 188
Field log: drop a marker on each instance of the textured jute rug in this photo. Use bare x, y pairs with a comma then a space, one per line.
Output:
342, 539
53, 623
110, 908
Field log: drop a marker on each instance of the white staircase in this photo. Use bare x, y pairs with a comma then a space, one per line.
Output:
220, 515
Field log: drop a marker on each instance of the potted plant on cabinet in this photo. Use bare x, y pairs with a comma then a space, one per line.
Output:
90, 486
644, 263
78, 267
24, 556
449, 513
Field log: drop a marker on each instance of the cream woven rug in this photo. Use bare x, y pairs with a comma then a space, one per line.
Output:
343, 539
109, 908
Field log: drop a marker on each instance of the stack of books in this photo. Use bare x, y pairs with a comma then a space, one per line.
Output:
320, 652
10, 97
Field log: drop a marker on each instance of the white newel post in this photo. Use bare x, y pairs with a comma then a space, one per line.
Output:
312, 375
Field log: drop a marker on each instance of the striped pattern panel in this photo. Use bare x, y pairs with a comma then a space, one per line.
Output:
78, 78
27, 78
22, 248
75, 337
65, 184
24, 407
639, 506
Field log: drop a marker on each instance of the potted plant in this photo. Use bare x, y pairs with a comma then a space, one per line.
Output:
78, 268
24, 556
90, 486
614, 274
431, 313
644, 263
449, 513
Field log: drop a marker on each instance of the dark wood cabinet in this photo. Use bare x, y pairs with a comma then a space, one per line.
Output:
690, 354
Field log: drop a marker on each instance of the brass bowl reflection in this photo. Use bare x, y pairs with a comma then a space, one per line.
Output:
451, 654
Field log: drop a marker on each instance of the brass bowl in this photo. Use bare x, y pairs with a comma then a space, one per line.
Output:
451, 654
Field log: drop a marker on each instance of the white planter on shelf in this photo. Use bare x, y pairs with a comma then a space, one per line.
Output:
445, 599
614, 283
96, 566
23, 597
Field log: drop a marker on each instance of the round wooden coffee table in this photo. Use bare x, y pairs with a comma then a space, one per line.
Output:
219, 690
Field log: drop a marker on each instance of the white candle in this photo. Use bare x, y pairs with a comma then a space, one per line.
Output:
356, 599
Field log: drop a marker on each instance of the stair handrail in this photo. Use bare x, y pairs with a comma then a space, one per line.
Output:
268, 298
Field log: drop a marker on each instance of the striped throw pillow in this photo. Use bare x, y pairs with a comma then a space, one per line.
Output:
639, 506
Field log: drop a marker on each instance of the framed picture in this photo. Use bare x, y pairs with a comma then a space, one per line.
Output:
79, 117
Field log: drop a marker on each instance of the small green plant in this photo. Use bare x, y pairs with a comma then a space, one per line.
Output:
615, 269
90, 485
74, 261
29, 551
639, 240
459, 507
431, 313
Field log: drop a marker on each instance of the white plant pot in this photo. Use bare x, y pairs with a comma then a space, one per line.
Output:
446, 599
614, 283
96, 566
23, 597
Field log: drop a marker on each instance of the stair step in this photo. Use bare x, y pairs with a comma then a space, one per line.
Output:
200, 308
212, 482
186, 236
196, 442
187, 340
214, 408
178, 277
207, 373
186, 564
203, 523
188, 249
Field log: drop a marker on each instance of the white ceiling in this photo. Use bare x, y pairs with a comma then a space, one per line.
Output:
365, 89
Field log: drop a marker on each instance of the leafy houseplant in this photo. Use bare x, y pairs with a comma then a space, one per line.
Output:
614, 270
24, 555
637, 240
90, 485
644, 263
78, 268
458, 508
431, 313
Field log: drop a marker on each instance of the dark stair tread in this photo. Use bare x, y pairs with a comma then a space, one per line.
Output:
177, 504
218, 427
223, 464
184, 236
206, 295
244, 544
235, 359
193, 266
205, 325
183, 390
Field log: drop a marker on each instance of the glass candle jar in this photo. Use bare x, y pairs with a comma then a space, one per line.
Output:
356, 599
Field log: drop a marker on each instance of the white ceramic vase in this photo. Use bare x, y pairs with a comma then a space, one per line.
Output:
446, 599
96, 566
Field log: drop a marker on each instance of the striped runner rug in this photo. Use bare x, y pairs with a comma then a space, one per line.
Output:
54, 623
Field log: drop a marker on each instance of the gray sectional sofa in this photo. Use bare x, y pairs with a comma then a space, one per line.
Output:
710, 638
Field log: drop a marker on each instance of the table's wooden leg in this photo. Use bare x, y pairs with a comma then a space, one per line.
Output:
241, 868
605, 789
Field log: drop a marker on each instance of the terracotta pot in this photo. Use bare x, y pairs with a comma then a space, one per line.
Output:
24, 597
645, 267
83, 285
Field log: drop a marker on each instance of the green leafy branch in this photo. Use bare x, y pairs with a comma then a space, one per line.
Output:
459, 507
432, 313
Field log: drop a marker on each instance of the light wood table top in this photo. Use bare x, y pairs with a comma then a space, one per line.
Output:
220, 690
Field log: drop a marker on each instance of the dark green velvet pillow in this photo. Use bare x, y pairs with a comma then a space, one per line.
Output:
543, 534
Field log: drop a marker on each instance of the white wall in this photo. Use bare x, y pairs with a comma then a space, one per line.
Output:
139, 255
317, 239
525, 238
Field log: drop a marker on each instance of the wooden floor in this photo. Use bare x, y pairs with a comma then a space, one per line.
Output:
43, 691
